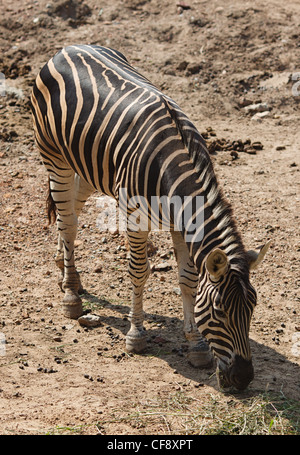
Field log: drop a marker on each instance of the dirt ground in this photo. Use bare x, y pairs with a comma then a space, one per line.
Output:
215, 59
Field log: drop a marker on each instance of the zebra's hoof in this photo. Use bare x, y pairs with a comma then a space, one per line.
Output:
199, 358
72, 305
136, 341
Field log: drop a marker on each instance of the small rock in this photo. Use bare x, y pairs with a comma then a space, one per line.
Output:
234, 155
260, 115
244, 102
182, 66
177, 291
89, 320
259, 107
162, 267
57, 338
257, 145
193, 68
250, 150
183, 5
87, 376
164, 255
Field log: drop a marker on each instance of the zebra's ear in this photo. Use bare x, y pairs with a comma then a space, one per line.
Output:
257, 256
217, 263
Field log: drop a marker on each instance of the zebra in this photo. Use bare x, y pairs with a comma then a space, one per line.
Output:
102, 126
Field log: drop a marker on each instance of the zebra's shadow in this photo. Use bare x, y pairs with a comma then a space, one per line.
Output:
274, 372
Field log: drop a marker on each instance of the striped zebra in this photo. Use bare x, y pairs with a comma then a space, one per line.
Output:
102, 126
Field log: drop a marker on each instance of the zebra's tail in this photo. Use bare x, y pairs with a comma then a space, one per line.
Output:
50, 205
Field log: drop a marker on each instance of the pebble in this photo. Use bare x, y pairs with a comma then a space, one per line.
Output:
177, 291
260, 115
243, 102
259, 107
57, 338
257, 145
162, 267
183, 5
46, 370
89, 320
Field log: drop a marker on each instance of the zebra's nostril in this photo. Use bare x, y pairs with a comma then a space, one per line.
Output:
241, 373
236, 382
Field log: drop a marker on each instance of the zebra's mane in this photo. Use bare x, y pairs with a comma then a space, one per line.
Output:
231, 241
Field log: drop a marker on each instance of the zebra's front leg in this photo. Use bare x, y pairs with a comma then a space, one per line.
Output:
199, 354
139, 270
72, 305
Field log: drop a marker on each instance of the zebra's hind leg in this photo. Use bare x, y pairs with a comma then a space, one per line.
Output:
82, 190
139, 270
63, 191
199, 354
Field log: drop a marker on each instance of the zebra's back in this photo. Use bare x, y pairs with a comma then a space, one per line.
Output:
104, 119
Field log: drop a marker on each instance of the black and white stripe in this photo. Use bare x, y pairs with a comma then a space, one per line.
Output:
101, 126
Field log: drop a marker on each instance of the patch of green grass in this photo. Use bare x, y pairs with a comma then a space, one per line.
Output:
68, 430
92, 303
263, 414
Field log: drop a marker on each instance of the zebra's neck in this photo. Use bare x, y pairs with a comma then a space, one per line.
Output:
215, 226
212, 219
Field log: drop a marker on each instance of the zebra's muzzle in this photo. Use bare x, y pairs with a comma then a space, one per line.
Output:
238, 375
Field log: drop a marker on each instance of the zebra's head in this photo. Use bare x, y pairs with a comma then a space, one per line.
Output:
224, 306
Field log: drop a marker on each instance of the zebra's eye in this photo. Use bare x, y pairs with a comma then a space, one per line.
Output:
220, 313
